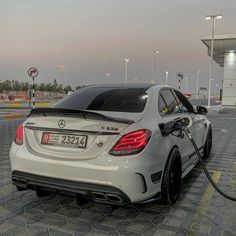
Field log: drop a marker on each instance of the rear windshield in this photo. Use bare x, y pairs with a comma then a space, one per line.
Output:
106, 99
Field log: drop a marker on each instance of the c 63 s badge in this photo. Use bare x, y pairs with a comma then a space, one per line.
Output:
110, 128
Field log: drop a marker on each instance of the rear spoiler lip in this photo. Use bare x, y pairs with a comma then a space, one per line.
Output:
75, 113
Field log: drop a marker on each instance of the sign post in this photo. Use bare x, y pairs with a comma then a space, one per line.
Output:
180, 76
33, 72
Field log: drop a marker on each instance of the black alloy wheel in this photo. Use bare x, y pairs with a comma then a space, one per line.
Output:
208, 144
172, 176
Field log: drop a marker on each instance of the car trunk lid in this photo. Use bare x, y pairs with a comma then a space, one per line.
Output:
69, 134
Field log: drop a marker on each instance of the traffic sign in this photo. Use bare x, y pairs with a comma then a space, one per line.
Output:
33, 72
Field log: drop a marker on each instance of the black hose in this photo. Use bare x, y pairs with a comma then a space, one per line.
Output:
188, 133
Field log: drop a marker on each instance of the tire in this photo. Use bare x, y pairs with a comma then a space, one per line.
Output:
41, 193
171, 181
20, 188
208, 144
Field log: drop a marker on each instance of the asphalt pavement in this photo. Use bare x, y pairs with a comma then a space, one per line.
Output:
199, 211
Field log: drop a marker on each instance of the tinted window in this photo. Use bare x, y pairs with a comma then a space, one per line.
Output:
184, 104
106, 99
162, 107
170, 101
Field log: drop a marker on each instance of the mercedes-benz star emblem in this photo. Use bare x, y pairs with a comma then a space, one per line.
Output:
61, 123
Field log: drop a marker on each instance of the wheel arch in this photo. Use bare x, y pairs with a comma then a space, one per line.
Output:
169, 156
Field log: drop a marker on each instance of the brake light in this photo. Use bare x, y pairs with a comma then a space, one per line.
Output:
131, 143
19, 138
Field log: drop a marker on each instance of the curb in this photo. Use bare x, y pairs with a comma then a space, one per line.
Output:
23, 106
12, 117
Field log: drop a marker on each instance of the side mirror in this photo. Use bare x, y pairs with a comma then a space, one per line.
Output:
201, 110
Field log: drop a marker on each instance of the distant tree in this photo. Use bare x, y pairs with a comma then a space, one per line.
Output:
60, 88
16, 85
1, 86
6, 85
25, 86
67, 89
49, 87
55, 84
42, 87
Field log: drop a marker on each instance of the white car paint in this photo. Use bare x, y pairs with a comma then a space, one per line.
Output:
94, 165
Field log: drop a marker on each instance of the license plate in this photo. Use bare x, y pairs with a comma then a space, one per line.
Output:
64, 140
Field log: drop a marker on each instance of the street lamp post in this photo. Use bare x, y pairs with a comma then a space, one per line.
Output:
62, 67
198, 77
108, 74
155, 78
167, 74
217, 90
126, 70
213, 18
186, 79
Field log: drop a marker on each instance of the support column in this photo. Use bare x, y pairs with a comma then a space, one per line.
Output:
229, 83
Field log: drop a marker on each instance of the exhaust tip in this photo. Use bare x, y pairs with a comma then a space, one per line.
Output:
23, 182
15, 179
99, 196
114, 198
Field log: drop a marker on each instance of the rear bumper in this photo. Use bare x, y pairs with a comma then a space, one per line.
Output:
132, 176
99, 193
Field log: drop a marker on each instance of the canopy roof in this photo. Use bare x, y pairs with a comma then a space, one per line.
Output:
222, 44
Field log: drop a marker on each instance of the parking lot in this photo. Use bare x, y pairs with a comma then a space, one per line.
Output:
199, 211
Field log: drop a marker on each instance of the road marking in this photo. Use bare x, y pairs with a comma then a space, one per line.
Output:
15, 116
14, 105
228, 118
42, 105
207, 196
221, 130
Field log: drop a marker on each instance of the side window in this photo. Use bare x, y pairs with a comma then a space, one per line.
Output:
184, 104
162, 106
170, 102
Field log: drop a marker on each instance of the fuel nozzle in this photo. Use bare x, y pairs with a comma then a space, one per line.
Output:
175, 125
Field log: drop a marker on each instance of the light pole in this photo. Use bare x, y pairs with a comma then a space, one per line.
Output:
217, 85
126, 70
213, 18
186, 79
62, 67
108, 74
167, 74
198, 77
155, 79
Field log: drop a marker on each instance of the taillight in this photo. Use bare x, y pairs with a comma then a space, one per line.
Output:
19, 138
131, 143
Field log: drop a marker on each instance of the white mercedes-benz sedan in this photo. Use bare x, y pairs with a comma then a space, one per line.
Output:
106, 143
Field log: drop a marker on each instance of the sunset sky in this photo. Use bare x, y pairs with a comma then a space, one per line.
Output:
92, 37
